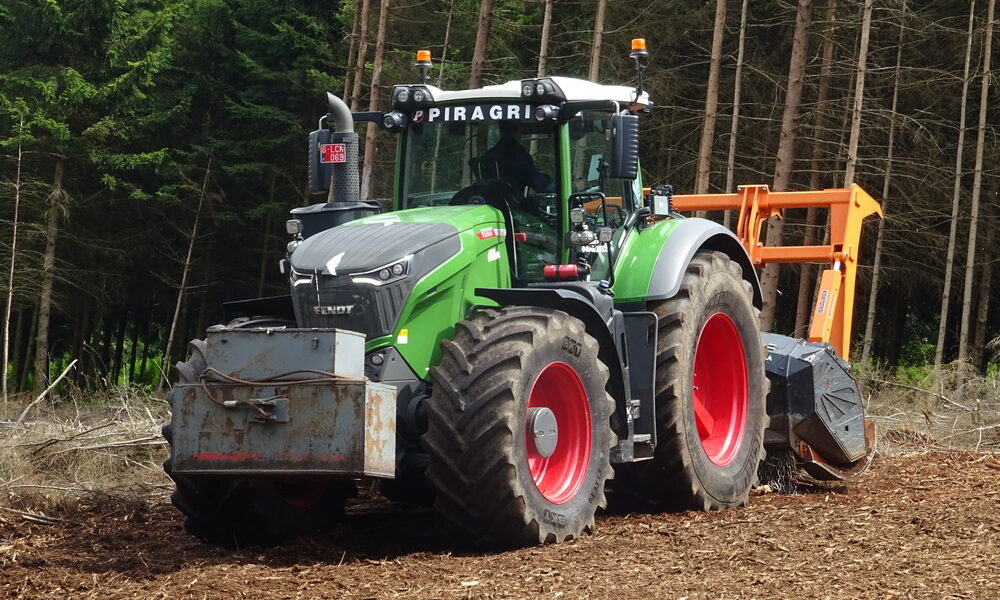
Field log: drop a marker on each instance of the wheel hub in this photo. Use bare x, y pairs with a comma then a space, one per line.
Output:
544, 430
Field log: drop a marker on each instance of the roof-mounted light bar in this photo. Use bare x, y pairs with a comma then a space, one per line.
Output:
542, 90
406, 98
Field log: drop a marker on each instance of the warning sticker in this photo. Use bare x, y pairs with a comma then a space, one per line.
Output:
491, 232
821, 305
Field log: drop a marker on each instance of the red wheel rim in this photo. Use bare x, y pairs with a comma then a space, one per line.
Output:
560, 476
720, 394
299, 494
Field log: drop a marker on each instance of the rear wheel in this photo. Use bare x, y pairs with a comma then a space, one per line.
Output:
710, 394
240, 511
519, 427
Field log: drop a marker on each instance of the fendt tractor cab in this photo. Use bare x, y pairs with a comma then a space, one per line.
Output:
525, 321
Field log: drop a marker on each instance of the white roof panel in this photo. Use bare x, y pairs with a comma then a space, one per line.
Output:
574, 89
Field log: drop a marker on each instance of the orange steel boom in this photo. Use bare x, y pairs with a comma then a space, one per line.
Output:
834, 309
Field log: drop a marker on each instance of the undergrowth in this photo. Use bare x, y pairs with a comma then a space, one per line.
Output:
98, 444
920, 407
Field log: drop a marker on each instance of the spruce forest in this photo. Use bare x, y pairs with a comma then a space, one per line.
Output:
150, 150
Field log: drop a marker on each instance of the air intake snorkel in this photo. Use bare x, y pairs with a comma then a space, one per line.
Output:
333, 176
333, 156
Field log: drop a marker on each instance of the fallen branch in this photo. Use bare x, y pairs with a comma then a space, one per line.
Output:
916, 389
153, 440
24, 413
35, 517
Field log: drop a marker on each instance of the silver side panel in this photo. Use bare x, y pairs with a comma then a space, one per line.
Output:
691, 236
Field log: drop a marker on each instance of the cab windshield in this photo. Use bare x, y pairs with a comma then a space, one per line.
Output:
445, 158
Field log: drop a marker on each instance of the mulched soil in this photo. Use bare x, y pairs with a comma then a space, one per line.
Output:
923, 525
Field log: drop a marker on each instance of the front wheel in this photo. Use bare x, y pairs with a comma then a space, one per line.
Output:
519, 427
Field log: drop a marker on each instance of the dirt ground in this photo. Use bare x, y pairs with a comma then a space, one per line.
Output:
923, 525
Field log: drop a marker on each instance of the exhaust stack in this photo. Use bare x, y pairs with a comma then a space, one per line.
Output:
333, 156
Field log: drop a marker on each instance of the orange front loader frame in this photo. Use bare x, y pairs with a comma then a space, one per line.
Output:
834, 309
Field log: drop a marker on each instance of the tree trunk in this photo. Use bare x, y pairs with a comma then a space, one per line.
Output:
737, 99
983, 309
82, 351
107, 339
956, 196
116, 371
10, 279
352, 58
54, 207
482, 39
19, 334
977, 183
704, 170
543, 49
594, 71
444, 47
134, 350
369, 160
786, 150
359, 66
859, 95
185, 274
144, 360
877, 263
22, 377
803, 307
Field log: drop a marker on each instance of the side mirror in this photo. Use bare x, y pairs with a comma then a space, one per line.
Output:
624, 146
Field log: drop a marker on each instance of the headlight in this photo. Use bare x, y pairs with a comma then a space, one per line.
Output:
402, 96
419, 96
388, 274
394, 121
293, 226
547, 113
540, 88
527, 89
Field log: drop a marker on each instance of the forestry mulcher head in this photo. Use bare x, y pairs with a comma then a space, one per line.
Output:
815, 408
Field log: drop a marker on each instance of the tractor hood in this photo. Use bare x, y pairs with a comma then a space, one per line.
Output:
359, 276
361, 248
379, 240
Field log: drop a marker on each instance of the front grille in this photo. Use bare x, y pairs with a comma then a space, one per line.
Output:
338, 302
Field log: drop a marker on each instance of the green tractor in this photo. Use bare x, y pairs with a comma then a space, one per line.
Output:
526, 323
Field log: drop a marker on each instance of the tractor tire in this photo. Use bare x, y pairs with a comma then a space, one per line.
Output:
710, 395
238, 512
501, 482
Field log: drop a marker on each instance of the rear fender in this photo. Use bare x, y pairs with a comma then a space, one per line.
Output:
652, 260
688, 238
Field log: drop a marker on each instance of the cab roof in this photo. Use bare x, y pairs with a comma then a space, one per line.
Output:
574, 89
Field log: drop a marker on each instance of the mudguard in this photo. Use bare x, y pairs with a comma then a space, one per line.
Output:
688, 237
